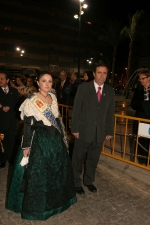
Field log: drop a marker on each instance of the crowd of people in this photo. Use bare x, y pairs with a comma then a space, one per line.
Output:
44, 181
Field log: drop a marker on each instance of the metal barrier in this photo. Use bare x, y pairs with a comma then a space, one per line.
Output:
128, 150
124, 145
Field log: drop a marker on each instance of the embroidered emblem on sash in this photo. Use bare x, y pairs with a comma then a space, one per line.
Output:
41, 106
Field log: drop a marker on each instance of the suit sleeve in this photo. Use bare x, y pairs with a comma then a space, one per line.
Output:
77, 108
110, 116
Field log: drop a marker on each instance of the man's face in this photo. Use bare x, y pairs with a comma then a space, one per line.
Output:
73, 77
63, 76
100, 75
144, 80
3, 80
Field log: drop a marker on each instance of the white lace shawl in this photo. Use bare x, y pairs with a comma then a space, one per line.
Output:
28, 109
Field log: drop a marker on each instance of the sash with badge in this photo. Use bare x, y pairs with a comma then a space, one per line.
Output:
45, 110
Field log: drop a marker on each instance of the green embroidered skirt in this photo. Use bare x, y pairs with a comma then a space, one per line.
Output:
49, 185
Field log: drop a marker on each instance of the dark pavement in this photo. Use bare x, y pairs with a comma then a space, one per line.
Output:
120, 200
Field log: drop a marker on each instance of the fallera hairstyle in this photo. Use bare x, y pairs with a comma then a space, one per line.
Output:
98, 64
145, 71
6, 74
42, 74
90, 75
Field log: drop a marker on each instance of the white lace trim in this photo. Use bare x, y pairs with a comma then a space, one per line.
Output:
28, 109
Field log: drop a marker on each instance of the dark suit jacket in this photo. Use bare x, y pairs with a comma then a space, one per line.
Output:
60, 92
10, 99
72, 94
91, 117
137, 103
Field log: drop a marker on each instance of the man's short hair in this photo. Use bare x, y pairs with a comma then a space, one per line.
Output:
6, 74
76, 74
63, 72
98, 64
145, 71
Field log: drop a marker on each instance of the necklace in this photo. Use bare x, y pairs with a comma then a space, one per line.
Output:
43, 95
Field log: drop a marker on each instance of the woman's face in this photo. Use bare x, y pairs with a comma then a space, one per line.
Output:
18, 81
29, 82
85, 77
45, 83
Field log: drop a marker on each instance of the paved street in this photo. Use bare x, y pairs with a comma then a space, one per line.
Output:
120, 200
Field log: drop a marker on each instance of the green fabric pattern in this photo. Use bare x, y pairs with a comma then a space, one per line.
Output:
49, 187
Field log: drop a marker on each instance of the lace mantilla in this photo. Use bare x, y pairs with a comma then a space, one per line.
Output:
28, 109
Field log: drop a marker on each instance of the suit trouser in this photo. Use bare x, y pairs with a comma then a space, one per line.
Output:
8, 144
93, 151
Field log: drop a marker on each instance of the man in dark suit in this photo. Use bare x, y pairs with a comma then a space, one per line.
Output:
75, 81
92, 122
141, 104
60, 88
8, 101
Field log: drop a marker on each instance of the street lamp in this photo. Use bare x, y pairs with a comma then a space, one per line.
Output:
78, 16
89, 61
20, 50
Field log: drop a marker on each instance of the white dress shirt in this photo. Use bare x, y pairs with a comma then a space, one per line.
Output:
6, 88
97, 86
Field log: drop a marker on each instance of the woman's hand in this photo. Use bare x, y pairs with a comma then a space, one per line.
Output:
26, 152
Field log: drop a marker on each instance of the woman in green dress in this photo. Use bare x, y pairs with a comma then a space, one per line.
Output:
48, 188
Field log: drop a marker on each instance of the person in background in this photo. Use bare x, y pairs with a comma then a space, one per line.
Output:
71, 89
36, 73
8, 102
20, 84
60, 88
49, 187
141, 104
88, 76
92, 123
30, 88
25, 77
24, 93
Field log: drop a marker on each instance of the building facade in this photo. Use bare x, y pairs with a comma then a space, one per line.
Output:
48, 34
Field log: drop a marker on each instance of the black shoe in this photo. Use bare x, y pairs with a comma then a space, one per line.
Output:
91, 188
80, 190
2, 165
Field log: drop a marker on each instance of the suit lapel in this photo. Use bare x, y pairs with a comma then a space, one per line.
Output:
103, 95
93, 92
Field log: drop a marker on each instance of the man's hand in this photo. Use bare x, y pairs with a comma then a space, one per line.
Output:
1, 106
108, 137
76, 135
6, 108
26, 152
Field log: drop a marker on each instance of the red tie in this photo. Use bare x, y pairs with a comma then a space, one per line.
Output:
99, 94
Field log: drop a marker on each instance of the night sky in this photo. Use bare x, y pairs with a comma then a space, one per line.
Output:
114, 9
102, 10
